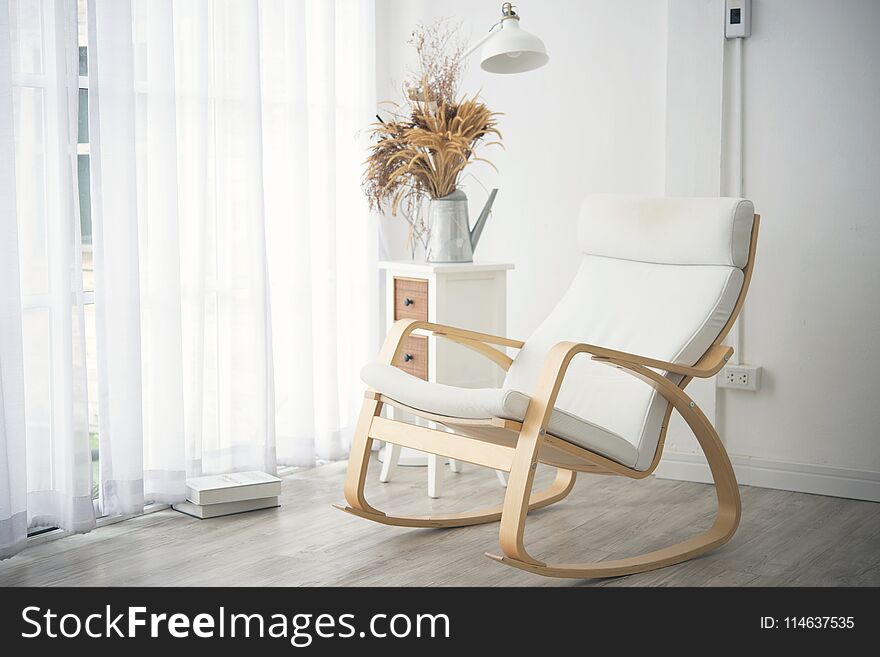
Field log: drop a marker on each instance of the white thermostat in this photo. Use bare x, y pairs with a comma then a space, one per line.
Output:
737, 19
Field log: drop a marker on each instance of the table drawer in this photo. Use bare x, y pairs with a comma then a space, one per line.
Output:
413, 358
410, 298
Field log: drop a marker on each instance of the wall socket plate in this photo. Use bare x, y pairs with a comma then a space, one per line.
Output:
740, 377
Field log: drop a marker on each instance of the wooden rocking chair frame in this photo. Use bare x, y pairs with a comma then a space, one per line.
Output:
517, 447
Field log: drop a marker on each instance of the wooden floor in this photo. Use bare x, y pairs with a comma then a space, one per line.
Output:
785, 539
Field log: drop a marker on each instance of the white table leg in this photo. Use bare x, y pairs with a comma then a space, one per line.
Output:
435, 475
501, 478
389, 462
454, 465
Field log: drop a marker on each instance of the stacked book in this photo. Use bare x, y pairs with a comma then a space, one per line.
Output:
223, 495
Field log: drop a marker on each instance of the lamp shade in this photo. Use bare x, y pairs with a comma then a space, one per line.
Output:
513, 50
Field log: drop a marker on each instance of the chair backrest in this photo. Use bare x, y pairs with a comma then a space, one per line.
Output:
660, 277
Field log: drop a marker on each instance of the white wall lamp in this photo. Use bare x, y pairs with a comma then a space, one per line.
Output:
509, 49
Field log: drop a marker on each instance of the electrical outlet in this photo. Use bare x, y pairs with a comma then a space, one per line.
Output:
740, 377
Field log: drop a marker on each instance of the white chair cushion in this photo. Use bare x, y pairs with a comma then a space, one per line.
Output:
674, 231
668, 312
485, 403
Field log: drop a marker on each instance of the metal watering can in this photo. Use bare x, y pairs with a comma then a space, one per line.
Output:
451, 239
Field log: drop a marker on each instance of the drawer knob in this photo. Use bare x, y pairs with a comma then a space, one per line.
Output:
407, 358
408, 302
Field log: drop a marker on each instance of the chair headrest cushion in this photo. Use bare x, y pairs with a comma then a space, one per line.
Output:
676, 231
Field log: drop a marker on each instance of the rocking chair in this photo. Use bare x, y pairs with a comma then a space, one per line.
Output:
660, 284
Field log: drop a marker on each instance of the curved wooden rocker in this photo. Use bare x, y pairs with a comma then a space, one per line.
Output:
513, 517
517, 447
556, 491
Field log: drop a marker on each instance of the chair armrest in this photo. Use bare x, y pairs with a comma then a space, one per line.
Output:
402, 328
560, 355
710, 364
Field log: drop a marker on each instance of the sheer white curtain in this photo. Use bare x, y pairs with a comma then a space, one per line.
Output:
235, 261
235, 279
45, 460
319, 94
13, 483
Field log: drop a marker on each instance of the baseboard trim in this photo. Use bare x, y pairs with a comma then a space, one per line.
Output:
784, 475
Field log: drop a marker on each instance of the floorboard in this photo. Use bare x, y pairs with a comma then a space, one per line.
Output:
785, 539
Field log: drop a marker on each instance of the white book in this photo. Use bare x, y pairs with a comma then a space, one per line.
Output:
233, 487
225, 508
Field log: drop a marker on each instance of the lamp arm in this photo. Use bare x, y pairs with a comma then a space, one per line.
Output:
470, 51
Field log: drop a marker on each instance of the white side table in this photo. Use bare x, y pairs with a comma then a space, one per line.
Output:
469, 295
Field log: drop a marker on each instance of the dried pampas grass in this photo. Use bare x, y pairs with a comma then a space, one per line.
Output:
434, 134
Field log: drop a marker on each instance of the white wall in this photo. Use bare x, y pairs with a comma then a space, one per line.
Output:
595, 119
812, 166
592, 120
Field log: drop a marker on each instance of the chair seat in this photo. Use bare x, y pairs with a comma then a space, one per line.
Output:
486, 403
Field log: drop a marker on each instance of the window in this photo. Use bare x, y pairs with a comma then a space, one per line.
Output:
85, 241
36, 116
38, 103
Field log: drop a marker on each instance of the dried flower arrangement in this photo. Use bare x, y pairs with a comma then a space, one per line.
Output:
432, 136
